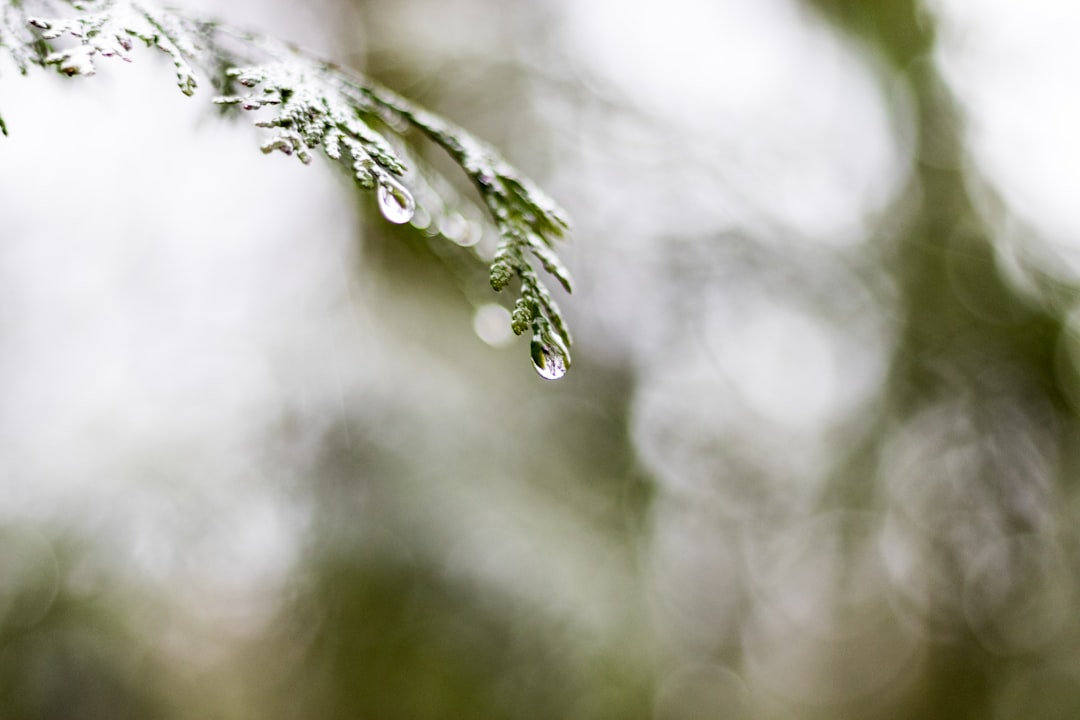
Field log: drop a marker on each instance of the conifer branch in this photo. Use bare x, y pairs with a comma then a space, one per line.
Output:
320, 107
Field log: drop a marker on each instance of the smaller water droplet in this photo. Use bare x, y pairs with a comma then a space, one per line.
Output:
395, 202
551, 362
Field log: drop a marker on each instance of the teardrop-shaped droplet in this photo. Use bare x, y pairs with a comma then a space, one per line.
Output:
550, 361
395, 202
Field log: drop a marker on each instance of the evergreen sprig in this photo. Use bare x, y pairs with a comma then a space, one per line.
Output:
316, 106
109, 29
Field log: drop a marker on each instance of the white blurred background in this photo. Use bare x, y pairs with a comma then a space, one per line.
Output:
815, 457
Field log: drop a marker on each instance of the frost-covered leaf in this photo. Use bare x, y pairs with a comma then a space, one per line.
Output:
109, 29
310, 113
17, 39
19, 42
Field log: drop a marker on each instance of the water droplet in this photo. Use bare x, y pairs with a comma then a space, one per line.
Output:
395, 202
550, 360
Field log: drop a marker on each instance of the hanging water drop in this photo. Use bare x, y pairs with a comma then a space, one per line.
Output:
395, 202
550, 360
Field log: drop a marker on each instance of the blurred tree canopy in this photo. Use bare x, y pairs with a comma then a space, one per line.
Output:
815, 458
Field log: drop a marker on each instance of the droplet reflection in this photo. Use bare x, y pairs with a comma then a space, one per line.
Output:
551, 362
395, 202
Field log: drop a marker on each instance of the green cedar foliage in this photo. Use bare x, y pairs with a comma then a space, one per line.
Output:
321, 108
